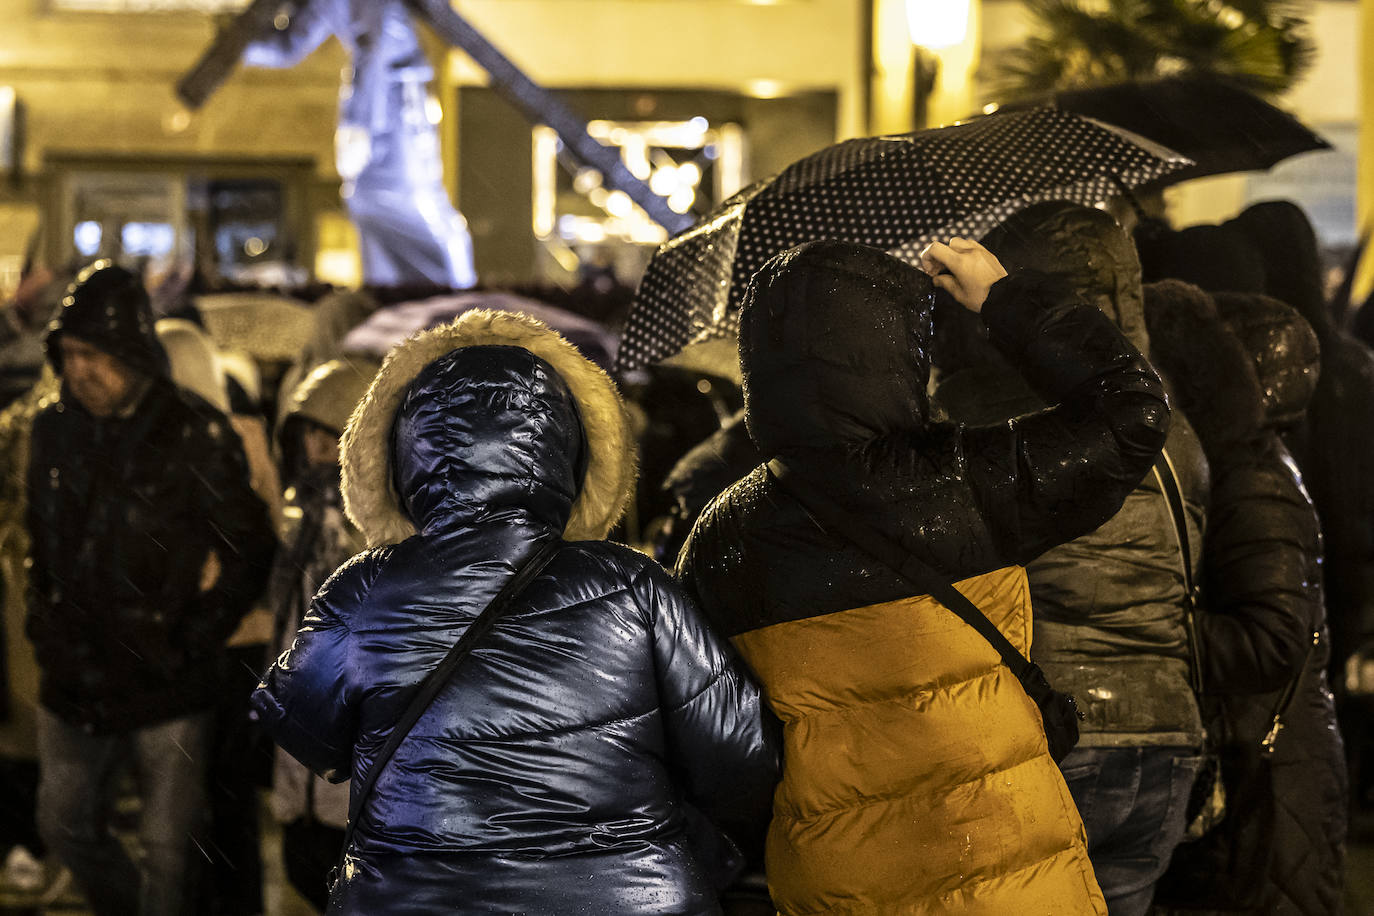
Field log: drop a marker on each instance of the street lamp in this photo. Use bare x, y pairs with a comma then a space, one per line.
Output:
935, 25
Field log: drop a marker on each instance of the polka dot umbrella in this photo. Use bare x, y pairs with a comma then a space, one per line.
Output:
895, 192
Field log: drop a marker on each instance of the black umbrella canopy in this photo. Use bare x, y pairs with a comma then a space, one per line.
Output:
897, 193
1219, 125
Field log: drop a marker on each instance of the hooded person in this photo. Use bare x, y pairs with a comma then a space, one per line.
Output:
135, 489
1270, 248
1246, 367
549, 774
317, 538
916, 774
1110, 624
234, 884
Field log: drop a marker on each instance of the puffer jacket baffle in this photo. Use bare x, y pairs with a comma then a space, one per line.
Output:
916, 775
547, 776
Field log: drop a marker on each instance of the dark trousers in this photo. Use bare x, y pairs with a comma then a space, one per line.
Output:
78, 781
1133, 801
19, 805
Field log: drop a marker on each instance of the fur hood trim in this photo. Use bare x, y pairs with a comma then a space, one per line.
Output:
370, 498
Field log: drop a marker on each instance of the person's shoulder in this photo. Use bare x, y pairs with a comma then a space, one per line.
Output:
194, 418
55, 420
355, 577
611, 557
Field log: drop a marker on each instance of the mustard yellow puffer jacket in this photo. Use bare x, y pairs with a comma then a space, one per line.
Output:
916, 778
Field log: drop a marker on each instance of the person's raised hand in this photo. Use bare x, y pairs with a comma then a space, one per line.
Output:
964, 269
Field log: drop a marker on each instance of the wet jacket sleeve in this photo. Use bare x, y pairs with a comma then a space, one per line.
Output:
39, 509
241, 537
1262, 597
723, 743
1050, 476
307, 701
308, 28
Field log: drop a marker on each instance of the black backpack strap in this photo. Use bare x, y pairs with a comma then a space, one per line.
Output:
838, 520
434, 682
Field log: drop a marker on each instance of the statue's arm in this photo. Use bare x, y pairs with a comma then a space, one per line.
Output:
308, 27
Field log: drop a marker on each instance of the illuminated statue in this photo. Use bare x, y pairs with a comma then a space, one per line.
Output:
386, 146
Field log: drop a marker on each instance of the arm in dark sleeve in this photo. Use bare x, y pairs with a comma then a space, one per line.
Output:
307, 701
1262, 594
1051, 476
241, 537
723, 743
307, 29
39, 512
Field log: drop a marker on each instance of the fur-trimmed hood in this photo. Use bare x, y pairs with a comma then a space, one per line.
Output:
492, 417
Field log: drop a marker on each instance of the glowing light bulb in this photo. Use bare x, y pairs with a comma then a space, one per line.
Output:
937, 24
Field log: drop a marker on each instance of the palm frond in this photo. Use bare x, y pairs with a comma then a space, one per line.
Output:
1262, 43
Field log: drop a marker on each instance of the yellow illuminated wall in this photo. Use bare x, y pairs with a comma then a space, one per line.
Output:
774, 47
1365, 210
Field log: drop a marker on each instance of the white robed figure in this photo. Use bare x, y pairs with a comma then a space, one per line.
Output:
386, 146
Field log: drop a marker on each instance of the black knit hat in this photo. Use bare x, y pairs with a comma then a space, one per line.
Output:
107, 307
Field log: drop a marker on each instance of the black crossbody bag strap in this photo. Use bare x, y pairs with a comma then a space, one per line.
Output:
434, 682
915, 571
1168, 483
1167, 478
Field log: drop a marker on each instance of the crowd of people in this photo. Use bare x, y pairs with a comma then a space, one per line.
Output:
1121, 463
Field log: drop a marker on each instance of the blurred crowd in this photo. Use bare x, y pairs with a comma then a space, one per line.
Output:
1175, 482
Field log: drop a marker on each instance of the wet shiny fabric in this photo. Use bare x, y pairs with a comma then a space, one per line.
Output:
927, 737
848, 658
547, 777
1108, 605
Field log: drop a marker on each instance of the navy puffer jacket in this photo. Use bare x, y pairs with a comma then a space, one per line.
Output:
548, 777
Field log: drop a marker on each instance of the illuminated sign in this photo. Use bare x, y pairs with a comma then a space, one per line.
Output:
692, 164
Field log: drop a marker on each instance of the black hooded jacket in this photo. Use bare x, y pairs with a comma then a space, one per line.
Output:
1271, 249
1246, 367
848, 411
1109, 612
124, 513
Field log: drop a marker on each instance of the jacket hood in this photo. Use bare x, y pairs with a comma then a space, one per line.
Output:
1213, 379
494, 416
108, 307
834, 347
1283, 348
1215, 258
193, 360
1084, 247
329, 394
1289, 257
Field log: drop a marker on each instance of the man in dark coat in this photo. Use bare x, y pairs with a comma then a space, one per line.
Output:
1109, 605
148, 546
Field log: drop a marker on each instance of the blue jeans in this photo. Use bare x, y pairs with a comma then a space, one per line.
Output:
1133, 801
77, 784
